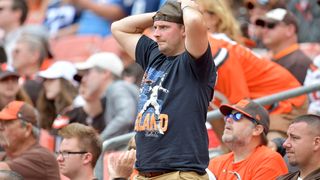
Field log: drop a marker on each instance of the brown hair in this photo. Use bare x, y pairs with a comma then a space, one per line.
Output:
49, 109
23, 7
89, 138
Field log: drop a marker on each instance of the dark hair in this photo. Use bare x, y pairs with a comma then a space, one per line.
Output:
23, 7
49, 109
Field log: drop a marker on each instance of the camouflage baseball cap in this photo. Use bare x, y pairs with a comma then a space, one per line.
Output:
170, 11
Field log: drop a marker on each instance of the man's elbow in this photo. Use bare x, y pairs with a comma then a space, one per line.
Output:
115, 27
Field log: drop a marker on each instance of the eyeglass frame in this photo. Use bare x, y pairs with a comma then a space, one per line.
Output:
237, 119
65, 154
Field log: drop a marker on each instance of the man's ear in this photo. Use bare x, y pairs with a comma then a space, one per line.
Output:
87, 158
317, 143
258, 129
28, 127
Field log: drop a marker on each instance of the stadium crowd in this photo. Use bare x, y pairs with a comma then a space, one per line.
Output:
75, 73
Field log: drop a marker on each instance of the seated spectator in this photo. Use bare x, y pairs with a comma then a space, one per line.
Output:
312, 77
60, 17
119, 111
255, 9
13, 16
303, 148
29, 54
145, 6
79, 151
19, 132
308, 18
98, 15
10, 89
247, 124
280, 36
58, 93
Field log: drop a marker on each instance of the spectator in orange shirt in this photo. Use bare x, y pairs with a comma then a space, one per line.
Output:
247, 124
243, 74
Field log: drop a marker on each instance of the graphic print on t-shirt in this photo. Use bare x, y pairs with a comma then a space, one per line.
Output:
150, 119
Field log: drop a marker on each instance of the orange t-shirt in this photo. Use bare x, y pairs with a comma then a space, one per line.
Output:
262, 164
243, 74
231, 80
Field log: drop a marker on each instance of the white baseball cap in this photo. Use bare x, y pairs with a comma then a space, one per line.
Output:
104, 60
60, 69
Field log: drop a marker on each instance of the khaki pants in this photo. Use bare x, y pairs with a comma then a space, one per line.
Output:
176, 175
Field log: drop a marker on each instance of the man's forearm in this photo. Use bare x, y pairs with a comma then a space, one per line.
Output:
135, 24
128, 31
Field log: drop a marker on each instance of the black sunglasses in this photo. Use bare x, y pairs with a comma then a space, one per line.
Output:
264, 24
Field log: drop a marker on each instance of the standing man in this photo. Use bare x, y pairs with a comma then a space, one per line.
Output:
174, 143
247, 124
79, 151
303, 148
19, 133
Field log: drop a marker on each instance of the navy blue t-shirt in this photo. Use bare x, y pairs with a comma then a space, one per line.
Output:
174, 97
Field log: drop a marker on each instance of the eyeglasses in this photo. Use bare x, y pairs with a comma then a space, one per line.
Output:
264, 24
65, 154
238, 116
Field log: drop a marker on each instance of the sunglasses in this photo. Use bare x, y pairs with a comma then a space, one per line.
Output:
264, 24
238, 116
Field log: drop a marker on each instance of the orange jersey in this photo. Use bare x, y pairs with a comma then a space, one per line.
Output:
243, 74
262, 164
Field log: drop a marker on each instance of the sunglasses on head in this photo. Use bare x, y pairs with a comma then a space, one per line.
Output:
264, 24
238, 116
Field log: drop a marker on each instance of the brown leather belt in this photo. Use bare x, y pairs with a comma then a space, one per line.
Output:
153, 174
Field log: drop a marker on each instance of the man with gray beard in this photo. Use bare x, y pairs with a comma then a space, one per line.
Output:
246, 128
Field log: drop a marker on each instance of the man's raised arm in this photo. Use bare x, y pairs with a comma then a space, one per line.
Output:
195, 27
128, 31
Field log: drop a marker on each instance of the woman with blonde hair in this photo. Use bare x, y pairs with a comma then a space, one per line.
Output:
220, 19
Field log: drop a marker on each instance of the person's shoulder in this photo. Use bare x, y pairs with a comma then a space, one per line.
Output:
264, 156
266, 152
222, 158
